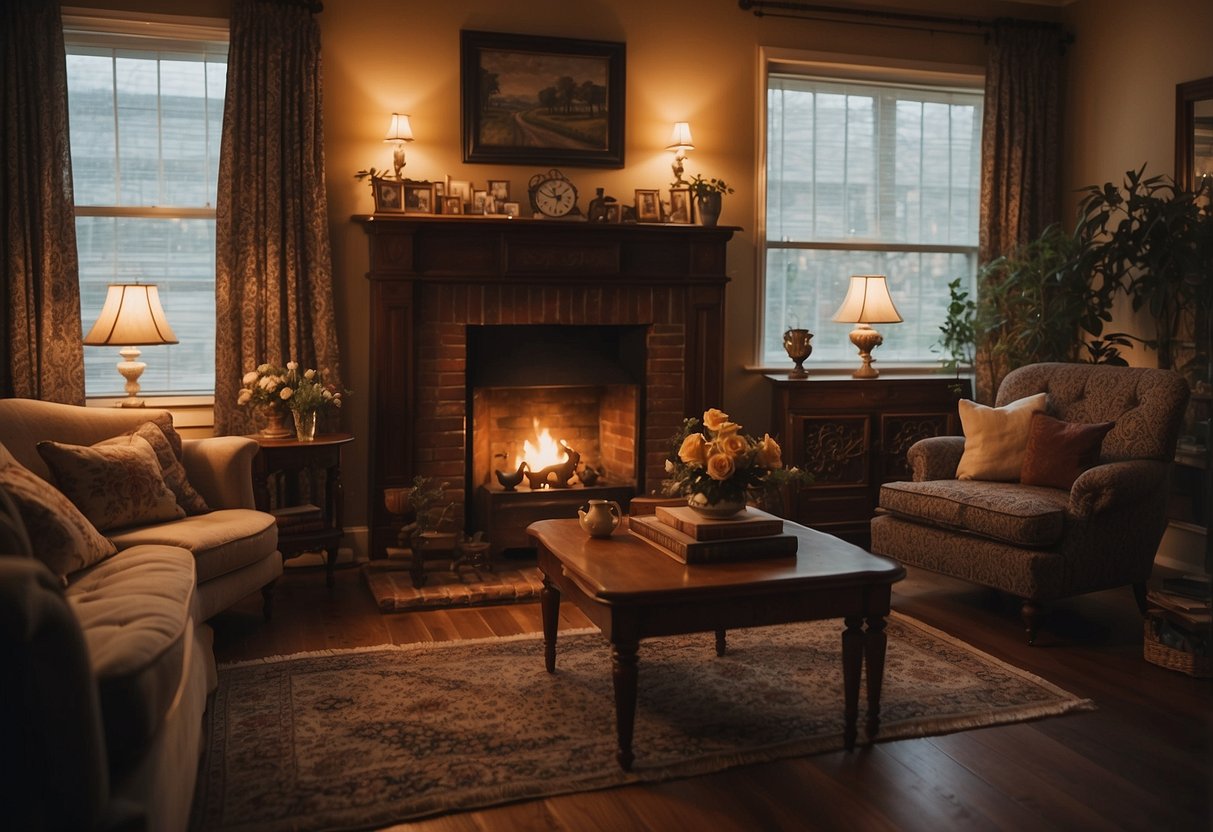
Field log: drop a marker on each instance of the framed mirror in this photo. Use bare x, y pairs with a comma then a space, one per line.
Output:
1193, 131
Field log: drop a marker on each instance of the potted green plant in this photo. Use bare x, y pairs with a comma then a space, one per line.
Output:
709, 196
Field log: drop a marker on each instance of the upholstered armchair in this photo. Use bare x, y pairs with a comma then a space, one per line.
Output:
1042, 543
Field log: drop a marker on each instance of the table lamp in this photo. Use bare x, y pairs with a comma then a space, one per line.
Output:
130, 318
867, 302
680, 143
400, 132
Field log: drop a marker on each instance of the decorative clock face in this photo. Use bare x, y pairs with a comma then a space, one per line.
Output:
553, 195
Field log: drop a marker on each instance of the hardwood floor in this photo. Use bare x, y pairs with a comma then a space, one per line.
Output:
1143, 760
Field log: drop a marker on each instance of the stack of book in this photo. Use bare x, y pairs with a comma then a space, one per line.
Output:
299, 519
683, 535
1179, 633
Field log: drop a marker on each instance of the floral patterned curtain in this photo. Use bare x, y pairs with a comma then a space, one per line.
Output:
40, 328
1020, 142
273, 280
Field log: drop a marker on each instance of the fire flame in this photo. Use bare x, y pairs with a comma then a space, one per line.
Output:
546, 452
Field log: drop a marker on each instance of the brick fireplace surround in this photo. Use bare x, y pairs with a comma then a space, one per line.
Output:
433, 277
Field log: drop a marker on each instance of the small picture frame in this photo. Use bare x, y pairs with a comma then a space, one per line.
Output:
418, 197
439, 192
648, 205
614, 212
452, 205
479, 201
461, 188
511, 209
499, 190
389, 196
680, 206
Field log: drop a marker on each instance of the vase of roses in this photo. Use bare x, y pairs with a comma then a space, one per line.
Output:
281, 390
720, 469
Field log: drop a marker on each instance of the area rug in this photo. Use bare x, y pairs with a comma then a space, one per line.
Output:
365, 738
390, 583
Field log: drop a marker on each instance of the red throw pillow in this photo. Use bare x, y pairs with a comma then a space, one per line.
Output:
1059, 451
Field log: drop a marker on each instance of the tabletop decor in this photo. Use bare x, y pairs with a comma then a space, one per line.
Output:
275, 390
719, 468
709, 197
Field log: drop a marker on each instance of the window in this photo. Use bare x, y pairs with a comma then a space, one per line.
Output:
146, 111
867, 177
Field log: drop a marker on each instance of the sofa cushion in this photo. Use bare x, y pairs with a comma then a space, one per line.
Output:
995, 438
171, 468
1023, 515
60, 535
135, 610
113, 485
1059, 451
222, 541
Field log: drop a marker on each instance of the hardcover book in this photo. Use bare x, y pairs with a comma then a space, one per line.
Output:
686, 549
750, 523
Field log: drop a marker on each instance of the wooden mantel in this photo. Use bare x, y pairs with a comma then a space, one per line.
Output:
433, 276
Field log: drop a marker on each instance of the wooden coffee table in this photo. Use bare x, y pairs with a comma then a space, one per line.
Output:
631, 591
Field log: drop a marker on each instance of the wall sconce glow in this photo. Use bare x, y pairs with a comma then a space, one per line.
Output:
867, 302
680, 143
131, 317
399, 131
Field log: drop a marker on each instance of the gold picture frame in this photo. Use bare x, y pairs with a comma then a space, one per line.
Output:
389, 195
648, 205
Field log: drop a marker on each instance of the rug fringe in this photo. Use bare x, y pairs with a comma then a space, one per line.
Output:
412, 646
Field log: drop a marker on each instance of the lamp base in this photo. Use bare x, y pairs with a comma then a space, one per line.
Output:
398, 159
131, 369
865, 340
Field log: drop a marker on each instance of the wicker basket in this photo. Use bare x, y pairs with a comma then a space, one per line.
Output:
1160, 654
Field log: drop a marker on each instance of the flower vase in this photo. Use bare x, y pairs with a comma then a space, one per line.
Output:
275, 423
709, 208
305, 425
720, 509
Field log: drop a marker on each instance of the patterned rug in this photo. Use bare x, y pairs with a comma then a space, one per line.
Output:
390, 583
365, 738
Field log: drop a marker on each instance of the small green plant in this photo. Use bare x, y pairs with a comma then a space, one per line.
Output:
702, 187
429, 501
373, 173
958, 334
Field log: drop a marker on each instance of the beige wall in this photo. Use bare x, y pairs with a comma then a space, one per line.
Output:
1120, 95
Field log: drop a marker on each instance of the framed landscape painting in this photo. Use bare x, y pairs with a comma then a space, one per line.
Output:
542, 100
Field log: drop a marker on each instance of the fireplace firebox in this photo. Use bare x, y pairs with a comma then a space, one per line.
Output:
484, 332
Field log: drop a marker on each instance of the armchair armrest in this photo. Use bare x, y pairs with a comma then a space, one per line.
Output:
935, 458
1115, 484
221, 469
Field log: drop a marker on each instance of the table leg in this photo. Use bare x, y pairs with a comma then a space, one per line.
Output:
875, 641
720, 645
623, 672
852, 665
549, 604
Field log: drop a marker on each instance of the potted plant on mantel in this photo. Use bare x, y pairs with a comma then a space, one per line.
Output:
709, 196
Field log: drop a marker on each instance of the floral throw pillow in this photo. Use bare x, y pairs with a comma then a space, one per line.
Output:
170, 465
62, 537
113, 485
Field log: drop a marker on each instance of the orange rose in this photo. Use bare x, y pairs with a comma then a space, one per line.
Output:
693, 451
733, 444
769, 453
713, 419
720, 467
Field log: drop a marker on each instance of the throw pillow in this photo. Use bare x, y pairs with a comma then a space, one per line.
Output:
1059, 451
170, 465
61, 536
113, 485
996, 438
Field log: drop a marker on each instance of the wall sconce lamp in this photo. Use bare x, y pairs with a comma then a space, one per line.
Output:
399, 132
680, 143
131, 317
867, 302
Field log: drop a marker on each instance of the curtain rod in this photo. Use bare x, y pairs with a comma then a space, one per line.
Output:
886, 19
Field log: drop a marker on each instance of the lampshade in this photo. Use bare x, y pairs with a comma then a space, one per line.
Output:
131, 316
399, 130
868, 302
680, 139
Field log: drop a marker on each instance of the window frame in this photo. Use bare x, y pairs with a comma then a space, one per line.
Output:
842, 67
122, 30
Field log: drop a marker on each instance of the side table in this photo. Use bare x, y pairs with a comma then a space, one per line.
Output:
284, 460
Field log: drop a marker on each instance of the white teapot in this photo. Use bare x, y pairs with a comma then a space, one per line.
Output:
601, 518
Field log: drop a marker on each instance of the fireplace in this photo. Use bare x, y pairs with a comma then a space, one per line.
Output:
609, 335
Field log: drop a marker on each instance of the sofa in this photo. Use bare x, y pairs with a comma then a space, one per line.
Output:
105, 587
1075, 506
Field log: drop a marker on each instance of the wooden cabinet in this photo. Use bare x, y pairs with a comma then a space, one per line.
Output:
852, 435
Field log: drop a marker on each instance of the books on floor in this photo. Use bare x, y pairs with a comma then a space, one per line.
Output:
301, 518
688, 538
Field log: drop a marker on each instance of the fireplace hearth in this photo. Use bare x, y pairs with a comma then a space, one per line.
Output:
607, 335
